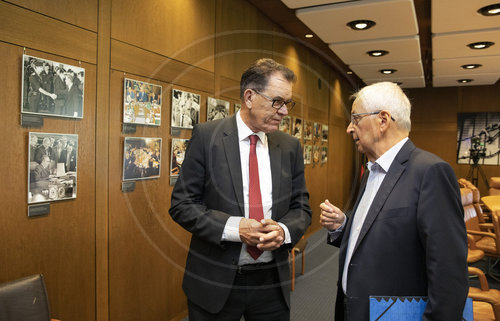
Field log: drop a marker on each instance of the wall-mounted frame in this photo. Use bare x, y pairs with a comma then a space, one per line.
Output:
185, 109
297, 128
52, 88
324, 133
286, 124
141, 103
217, 109
177, 155
315, 154
141, 158
52, 165
324, 154
308, 130
316, 131
307, 154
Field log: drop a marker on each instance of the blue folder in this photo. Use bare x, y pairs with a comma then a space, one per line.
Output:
405, 308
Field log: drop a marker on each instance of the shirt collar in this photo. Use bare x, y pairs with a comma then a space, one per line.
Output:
385, 161
244, 131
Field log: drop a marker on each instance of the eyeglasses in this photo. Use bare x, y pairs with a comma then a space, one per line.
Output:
278, 102
356, 118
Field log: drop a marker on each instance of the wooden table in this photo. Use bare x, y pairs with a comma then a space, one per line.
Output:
492, 202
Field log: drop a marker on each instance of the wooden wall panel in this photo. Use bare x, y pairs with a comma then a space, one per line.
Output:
79, 13
179, 29
60, 245
32, 30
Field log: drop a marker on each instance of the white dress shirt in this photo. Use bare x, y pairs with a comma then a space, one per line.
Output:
231, 230
378, 170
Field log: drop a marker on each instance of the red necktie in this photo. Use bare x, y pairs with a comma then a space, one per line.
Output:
254, 197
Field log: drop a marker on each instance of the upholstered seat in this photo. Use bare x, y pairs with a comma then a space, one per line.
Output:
494, 183
486, 301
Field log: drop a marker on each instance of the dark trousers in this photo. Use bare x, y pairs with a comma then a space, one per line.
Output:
256, 295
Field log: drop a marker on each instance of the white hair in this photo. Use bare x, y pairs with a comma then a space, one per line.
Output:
386, 96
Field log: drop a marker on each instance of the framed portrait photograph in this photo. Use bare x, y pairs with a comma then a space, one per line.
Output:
324, 133
307, 154
286, 124
141, 158
185, 109
308, 130
324, 154
52, 88
217, 109
141, 103
316, 131
297, 128
237, 108
52, 164
179, 147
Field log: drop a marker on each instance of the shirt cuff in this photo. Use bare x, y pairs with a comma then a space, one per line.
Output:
231, 231
288, 239
335, 233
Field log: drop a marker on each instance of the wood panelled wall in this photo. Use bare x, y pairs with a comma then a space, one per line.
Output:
434, 121
109, 255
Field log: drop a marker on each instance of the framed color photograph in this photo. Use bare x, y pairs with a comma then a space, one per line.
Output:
316, 131
217, 109
141, 158
179, 147
141, 103
308, 130
286, 124
297, 128
324, 133
52, 164
185, 109
307, 154
324, 154
315, 154
52, 88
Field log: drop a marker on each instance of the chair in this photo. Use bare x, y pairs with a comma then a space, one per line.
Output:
300, 247
486, 301
483, 215
24, 300
494, 183
473, 254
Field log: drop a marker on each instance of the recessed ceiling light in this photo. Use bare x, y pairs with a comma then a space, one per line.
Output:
491, 10
464, 81
361, 24
480, 45
309, 35
377, 53
471, 66
349, 72
387, 71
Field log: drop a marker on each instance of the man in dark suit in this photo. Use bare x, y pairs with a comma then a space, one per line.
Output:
238, 263
406, 235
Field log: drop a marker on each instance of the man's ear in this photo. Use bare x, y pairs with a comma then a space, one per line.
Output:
247, 98
384, 118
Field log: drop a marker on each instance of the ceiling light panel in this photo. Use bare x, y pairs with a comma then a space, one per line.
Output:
448, 67
294, 4
415, 82
393, 18
402, 49
464, 13
478, 80
404, 70
454, 45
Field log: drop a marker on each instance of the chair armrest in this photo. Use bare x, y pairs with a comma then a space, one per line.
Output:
470, 242
492, 235
486, 226
482, 278
488, 297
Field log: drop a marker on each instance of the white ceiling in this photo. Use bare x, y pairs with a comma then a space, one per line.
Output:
454, 24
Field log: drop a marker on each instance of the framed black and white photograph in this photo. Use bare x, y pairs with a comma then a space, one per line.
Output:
324, 133
52, 88
316, 131
307, 154
286, 124
478, 138
179, 147
52, 164
141, 103
324, 154
237, 108
141, 158
308, 130
217, 109
297, 128
185, 109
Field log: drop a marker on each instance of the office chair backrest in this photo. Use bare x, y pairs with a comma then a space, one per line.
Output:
24, 300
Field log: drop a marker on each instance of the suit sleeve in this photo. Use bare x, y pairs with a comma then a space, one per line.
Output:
187, 206
442, 231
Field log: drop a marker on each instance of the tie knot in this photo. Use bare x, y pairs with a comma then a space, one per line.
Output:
253, 139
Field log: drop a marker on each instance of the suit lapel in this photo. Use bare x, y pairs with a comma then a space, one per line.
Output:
232, 151
395, 171
275, 159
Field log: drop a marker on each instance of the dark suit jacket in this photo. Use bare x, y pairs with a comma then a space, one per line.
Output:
209, 190
412, 243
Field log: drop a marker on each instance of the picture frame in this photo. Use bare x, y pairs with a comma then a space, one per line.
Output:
308, 130
297, 128
217, 109
185, 109
316, 154
141, 158
324, 154
286, 124
324, 133
316, 131
177, 155
307, 154
141, 102
52, 167
52, 88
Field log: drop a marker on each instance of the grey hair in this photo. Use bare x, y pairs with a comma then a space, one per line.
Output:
386, 96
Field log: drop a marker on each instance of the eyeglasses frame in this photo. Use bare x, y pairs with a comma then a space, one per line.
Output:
355, 119
274, 101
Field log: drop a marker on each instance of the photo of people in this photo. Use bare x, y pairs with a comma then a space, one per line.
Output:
286, 124
179, 147
297, 128
307, 154
141, 103
217, 109
316, 131
141, 158
315, 154
324, 133
185, 109
237, 108
52, 164
308, 130
52, 88
324, 154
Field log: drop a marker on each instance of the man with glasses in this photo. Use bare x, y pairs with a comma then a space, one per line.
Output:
405, 235
241, 193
